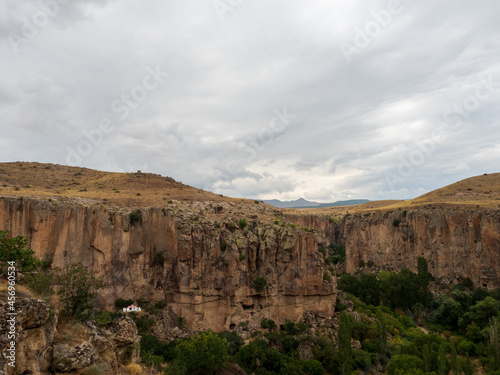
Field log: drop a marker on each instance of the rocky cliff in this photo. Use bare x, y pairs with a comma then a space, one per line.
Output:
457, 242
201, 258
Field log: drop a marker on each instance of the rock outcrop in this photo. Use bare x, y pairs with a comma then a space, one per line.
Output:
456, 242
34, 334
41, 349
198, 258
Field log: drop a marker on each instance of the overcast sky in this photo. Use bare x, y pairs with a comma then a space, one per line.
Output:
325, 100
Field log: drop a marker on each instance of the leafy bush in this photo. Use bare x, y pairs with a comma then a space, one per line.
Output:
336, 253
40, 283
268, 324
135, 217
233, 341
159, 259
242, 223
205, 354
15, 249
404, 362
104, 317
313, 367
77, 286
120, 303
259, 284
396, 223
143, 322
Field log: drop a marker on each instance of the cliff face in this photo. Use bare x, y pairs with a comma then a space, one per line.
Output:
204, 270
457, 243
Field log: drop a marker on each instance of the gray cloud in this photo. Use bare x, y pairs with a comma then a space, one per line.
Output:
365, 128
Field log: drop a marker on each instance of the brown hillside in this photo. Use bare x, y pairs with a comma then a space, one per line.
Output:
88, 186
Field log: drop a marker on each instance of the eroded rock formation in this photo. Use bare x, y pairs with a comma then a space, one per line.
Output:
456, 243
204, 266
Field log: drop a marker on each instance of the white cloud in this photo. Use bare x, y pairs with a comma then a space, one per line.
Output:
355, 122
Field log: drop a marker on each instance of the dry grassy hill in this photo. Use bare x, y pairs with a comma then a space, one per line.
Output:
482, 191
90, 186
86, 186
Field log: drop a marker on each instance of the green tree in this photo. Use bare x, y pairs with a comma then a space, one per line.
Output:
77, 286
442, 361
467, 367
344, 343
426, 357
404, 362
370, 289
454, 361
313, 367
15, 249
494, 345
259, 284
205, 354
381, 333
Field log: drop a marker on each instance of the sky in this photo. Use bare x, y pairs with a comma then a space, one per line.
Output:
322, 100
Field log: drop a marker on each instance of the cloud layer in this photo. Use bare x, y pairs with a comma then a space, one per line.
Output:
325, 100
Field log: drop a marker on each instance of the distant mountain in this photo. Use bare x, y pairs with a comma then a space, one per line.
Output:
303, 203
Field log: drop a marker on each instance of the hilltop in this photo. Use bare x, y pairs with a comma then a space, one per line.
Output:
83, 186
93, 187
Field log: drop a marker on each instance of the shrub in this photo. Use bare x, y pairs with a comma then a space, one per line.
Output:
396, 223
120, 303
327, 276
77, 286
93, 370
313, 367
370, 264
133, 369
135, 217
143, 322
259, 284
45, 263
268, 324
233, 341
404, 362
152, 360
242, 223
223, 245
159, 259
361, 263
243, 257
15, 249
202, 355
103, 318
182, 321
40, 284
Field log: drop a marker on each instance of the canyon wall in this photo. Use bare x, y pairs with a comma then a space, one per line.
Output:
202, 269
456, 243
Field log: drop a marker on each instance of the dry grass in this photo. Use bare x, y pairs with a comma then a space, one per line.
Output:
479, 191
133, 369
52, 181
